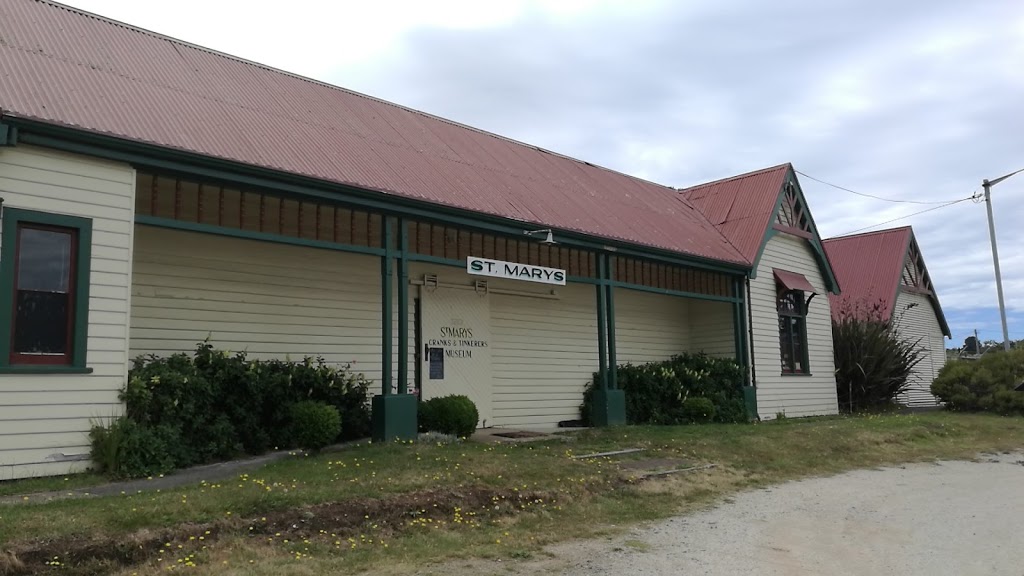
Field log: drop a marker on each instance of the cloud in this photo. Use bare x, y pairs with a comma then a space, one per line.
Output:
914, 100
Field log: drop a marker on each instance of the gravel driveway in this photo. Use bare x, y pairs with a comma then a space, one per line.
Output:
957, 518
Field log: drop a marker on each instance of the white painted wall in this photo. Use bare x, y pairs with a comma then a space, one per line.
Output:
916, 319
45, 419
777, 393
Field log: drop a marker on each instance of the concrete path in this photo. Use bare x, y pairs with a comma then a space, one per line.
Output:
956, 518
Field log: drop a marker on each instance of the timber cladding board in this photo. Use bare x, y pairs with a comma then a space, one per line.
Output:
47, 181
269, 300
172, 198
794, 395
915, 317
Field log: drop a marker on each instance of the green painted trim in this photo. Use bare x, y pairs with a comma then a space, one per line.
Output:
770, 230
387, 316
186, 163
252, 235
736, 329
413, 257
608, 408
43, 370
748, 332
665, 292
819, 250
83, 281
8, 135
745, 334
602, 326
7, 245
393, 417
831, 285
613, 369
80, 338
899, 278
403, 307
933, 297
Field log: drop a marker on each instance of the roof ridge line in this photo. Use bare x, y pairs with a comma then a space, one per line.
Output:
241, 60
858, 234
735, 177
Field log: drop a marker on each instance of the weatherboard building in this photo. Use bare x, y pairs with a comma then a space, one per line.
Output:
157, 193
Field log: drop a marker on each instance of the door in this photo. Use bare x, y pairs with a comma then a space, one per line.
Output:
456, 339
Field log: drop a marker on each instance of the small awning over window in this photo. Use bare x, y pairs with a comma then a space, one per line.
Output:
793, 281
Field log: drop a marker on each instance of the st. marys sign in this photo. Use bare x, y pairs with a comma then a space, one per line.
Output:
514, 271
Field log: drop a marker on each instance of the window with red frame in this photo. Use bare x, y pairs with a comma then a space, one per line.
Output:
43, 315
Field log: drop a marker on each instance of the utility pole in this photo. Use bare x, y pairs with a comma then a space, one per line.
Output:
995, 252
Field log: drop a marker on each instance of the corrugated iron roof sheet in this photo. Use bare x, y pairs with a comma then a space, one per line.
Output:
868, 267
67, 67
741, 207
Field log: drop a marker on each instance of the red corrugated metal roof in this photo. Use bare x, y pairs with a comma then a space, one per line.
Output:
63, 66
868, 267
741, 207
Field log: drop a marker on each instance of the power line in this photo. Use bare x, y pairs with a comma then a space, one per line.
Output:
909, 215
944, 202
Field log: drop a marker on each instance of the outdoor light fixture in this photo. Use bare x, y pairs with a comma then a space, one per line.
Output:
549, 239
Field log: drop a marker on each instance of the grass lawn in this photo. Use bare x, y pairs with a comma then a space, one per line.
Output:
51, 484
398, 507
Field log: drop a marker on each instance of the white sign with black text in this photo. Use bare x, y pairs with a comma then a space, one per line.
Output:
514, 271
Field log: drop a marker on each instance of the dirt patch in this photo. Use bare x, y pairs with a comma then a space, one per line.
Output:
654, 464
90, 556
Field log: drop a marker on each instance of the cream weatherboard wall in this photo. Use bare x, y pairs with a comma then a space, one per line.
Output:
650, 327
277, 300
777, 393
267, 299
711, 328
916, 319
45, 419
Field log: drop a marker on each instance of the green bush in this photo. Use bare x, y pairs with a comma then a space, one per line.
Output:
314, 424
698, 410
873, 361
986, 384
656, 392
124, 448
455, 414
219, 405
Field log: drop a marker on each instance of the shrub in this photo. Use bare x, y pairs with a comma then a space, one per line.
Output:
656, 392
986, 384
873, 361
455, 414
126, 449
314, 424
698, 410
217, 405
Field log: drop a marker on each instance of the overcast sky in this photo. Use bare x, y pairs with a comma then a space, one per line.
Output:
914, 100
